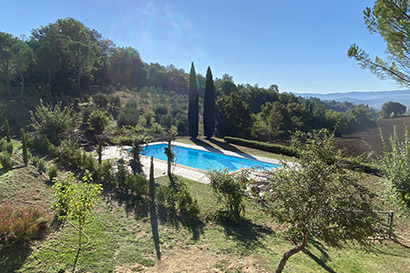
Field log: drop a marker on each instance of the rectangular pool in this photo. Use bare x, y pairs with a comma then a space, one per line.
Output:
205, 160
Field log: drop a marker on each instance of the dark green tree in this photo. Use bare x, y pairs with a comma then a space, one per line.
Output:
389, 18
193, 104
23, 58
24, 144
151, 181
7, 129
392, 107
7, 66
209, 105
233, 116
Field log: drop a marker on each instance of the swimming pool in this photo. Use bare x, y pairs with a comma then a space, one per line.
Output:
205, 160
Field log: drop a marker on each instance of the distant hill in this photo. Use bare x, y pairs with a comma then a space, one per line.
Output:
374, 99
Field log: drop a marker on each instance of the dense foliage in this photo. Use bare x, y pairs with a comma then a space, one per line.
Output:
318, 198
209, 105
193, 104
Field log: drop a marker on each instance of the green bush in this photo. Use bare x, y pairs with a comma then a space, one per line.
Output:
101, 100
86, 112
21, 225
128, 116
273, 148
178, 202
6, 160
39, 163
9, 147
129, 183
229, 190
43, 145
98, 121
52, 172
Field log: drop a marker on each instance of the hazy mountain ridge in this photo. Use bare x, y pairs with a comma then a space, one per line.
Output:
374, 99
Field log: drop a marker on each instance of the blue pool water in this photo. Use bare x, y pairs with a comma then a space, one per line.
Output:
205, 160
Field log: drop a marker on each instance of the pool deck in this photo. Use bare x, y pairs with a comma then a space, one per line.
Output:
160, 166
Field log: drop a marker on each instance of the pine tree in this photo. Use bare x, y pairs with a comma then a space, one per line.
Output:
209, 105
193, 104
24, 140
7, 127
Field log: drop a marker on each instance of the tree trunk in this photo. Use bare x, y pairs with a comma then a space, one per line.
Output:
169, 158
78, 82
22, 84
290, 253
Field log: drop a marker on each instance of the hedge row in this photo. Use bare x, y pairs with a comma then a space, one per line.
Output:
273, 148
289, 151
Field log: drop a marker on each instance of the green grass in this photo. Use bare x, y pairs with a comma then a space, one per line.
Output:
121, 239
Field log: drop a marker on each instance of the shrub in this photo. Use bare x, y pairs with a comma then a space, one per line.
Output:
52, 122
39, 163
86, 112
101, 100
178, 202
6, 160
128, 116
229, 189
21, 225
42, 145
52, 172
9, 147
7, 128
98, 121
273, 148
129, 183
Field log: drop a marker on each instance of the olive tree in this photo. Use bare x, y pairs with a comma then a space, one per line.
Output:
318, 198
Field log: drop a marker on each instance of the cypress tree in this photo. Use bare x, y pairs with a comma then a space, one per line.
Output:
24, 140
8, 131
193, 104
152, 181
209, 105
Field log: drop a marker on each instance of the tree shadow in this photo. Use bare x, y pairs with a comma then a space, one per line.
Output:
204, 145
154, 228
193, 223
247, 234
324, 256
229, 147
136, 205
13, 257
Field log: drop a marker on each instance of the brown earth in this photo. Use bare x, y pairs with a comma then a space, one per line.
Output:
364, 142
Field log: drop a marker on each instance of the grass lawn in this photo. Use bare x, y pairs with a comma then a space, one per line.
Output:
121, 239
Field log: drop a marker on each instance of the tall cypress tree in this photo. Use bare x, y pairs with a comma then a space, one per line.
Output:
193, 104
209, 105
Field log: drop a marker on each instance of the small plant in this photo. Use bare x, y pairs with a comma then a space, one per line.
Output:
9, 147
76, 200
40, 164
229, 190
98, 121
21, 225
6, 160
7, 129
52, 172
24, 144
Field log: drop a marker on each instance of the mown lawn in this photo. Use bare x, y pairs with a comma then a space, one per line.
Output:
121, 239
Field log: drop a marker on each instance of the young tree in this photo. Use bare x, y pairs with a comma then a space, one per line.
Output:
98, 121
209, 105
24, 144
7, 129
135, 162
193, 104
152, 181
319, 198
395, 166
390, 19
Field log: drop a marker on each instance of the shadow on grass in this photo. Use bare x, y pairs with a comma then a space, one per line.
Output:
324, 257
13, 257
154, 228
132, 204
229, 147
247, 234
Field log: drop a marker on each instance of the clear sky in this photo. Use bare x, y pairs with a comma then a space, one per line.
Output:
300, 45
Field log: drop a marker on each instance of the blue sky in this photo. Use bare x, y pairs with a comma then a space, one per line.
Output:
299, 45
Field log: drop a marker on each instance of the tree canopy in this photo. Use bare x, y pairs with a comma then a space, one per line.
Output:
389, 18
392, 107
193, 104
209, 105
